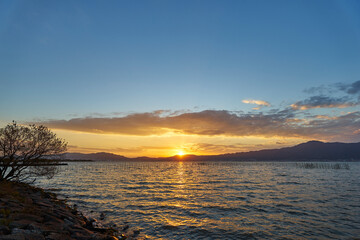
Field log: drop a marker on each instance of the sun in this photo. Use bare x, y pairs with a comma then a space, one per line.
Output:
180, 153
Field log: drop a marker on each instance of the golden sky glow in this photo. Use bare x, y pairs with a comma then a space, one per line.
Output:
168, 144
166, 133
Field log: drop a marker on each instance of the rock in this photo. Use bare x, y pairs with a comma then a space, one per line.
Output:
101, 230
80, 230
111, 238
63, 213
79, 236
51, 218
68, 222
102, 237
34, 229
136, 232
126, 227
112, 224
27, 216
28, 234
57, 236
74, 210
81, 222
38, 215
122, 237
19, 224
4, 230
17, 236
18, 230
54, 226
46, 205
34, 236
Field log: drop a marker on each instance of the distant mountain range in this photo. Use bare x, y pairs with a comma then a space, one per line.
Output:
309, 151
94, 156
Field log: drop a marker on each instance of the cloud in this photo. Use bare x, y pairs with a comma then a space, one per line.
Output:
349, 88
216, 123
323, 89
217, 148
260, 103
325, 96
353, 88
340, 128
209, 122
325, 117
323, 102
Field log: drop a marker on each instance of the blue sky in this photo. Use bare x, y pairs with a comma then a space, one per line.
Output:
65, 59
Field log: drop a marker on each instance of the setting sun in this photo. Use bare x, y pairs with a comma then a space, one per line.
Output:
180, 153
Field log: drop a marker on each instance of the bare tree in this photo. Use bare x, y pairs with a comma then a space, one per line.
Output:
27, 152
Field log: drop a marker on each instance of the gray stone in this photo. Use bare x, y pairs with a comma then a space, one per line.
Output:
68, 222
56, 236
26, 216
103, 237
125, 228
18, 224
17, 236
122, 237
136, 232
18, 230
34, 229
4, 230
34, 236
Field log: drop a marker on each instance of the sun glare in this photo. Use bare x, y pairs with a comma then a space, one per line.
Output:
180, 153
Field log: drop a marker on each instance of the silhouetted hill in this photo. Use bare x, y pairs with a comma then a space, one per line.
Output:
101, 156
313, 150
309, 151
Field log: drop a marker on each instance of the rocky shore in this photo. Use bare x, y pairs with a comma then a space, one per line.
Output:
30, 213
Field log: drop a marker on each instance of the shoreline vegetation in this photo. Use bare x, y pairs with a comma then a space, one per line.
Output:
31, 213
312, 165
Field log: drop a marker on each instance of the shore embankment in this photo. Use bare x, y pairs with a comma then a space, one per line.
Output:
30, 213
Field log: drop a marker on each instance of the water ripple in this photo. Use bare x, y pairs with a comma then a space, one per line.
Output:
218, 200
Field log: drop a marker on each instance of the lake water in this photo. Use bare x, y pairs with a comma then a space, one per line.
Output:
218, 200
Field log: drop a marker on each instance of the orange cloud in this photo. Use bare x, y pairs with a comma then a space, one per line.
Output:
325, 117
306, 107
214, 123
260, 103
323, 102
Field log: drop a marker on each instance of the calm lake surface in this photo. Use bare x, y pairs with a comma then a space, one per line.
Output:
218, 200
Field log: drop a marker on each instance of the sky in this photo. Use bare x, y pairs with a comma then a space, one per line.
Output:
156, 77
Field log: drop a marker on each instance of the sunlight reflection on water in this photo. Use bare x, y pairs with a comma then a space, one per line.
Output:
218, 200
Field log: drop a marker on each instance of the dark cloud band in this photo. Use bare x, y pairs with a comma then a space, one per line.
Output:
217, 122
